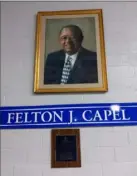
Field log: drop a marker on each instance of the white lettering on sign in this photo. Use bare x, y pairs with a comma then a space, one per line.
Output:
36, 116
26, 118
97, 116
10, 117
89, 112
124, 115
107, 113
58, 116
70, 116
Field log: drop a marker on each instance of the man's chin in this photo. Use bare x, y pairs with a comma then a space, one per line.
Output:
69, 51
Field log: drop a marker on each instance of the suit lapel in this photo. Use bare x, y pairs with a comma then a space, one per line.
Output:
61, 64
78, 65
62, 59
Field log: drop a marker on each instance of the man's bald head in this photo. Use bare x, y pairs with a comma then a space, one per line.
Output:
71, 38
77, 32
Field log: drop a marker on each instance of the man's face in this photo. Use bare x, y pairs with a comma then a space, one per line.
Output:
68, 41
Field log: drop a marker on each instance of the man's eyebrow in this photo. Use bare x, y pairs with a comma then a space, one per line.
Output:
65, 35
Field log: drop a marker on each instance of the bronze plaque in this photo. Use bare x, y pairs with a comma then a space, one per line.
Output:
65, 148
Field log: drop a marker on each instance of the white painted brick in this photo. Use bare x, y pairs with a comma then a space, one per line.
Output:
118, 60
113, 139
26, 170
132, 59
122, 82
22, 139
133, 48
6, 170
97, 154
133, 137
55, 171
89, 137
92, 136
126, 154
36, 156
126, 129
9, 156
34, 139
135, 70
88, 169
120, 169
104, 138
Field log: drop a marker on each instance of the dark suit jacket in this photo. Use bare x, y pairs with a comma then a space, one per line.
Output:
84, 69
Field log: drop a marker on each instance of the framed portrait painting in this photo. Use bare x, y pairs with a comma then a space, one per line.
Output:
70, 52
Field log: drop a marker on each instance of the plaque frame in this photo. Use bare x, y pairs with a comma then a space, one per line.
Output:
65, 164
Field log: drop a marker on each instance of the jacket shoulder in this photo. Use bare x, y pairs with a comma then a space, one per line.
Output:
88, 52
55, 53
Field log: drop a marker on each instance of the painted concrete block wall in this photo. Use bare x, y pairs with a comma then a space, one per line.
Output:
110, 151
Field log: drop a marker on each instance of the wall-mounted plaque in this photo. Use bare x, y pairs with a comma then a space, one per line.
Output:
65, 148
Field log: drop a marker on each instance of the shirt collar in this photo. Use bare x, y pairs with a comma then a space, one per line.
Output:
72, 56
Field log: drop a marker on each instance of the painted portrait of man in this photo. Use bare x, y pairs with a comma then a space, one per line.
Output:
70, 52
72, 64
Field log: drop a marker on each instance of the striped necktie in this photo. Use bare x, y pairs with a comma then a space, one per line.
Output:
66, 70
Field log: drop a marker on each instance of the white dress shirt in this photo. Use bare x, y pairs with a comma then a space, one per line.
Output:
73, 60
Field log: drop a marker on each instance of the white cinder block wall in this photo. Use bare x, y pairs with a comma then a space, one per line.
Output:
110, 151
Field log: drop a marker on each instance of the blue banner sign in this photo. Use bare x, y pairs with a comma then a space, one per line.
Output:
65, 116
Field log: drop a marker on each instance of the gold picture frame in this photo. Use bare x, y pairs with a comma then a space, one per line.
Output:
89, 73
